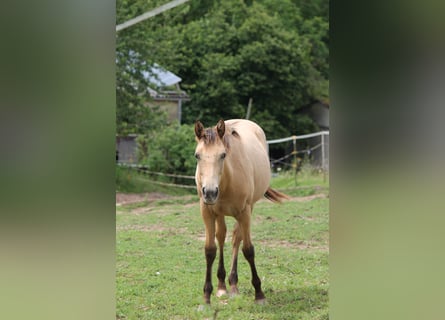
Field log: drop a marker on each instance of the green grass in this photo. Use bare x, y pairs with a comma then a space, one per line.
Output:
306, 182
161, 264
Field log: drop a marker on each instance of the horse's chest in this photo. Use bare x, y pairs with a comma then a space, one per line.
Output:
231, 206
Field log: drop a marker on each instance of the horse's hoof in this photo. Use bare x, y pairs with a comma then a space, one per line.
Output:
221, 292
260, 301
203, 307
234, 291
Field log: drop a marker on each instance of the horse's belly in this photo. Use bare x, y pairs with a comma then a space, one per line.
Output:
261, 175
260, 189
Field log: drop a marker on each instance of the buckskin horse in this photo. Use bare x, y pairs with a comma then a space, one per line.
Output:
232, 173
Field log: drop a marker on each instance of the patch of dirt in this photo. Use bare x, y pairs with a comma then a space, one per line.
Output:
309, 198
142, 210
126, 198
300, 199
302, 245
151, 228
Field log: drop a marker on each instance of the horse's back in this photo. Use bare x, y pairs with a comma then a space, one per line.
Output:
249, 130
253, 141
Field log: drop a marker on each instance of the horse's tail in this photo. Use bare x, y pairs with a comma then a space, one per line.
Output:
275, 196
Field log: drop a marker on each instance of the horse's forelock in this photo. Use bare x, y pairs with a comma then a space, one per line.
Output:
210, 136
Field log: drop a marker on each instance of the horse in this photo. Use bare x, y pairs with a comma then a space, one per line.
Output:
232, 174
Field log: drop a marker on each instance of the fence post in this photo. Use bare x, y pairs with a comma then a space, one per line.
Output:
322, 152
323, 157
294, 141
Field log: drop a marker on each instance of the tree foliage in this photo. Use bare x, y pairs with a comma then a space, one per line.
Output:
226, 52
170, 150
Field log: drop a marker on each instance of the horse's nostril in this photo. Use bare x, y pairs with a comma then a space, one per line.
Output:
210, 193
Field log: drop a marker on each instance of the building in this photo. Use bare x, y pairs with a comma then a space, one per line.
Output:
319, 112
318, 147
165, 93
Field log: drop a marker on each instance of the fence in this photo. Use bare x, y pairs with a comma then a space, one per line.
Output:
144, 169
314, 146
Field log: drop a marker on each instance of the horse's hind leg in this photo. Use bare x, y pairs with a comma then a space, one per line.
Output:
221, 231
233, 277
249, 254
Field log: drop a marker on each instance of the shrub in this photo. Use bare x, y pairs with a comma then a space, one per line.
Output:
170, 150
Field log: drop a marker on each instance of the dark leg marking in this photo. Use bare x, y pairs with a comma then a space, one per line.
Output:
221, 273
221, 231
210, 254
233, 277
249, 254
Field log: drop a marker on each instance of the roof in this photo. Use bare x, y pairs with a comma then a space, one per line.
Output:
161, 77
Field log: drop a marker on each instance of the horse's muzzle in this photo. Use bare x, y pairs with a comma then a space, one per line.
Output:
210, 195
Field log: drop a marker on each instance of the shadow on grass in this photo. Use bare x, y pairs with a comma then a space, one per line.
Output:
299, 303
306, 296
310, 300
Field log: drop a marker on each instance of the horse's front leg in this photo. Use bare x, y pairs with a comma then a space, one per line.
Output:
221, 231
209, 249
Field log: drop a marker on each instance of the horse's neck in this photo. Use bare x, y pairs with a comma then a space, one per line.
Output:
227, 176
233, 172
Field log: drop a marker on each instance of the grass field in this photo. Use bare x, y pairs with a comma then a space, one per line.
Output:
161, 264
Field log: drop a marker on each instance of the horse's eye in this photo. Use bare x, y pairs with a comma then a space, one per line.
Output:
197, 156
223, 155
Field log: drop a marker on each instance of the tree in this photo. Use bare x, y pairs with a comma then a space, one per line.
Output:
134, 56
226, 52
238, 51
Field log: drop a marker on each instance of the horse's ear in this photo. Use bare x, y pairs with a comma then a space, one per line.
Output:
199, 128
221, 128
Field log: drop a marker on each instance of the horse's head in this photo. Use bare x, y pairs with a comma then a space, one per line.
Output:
210, 154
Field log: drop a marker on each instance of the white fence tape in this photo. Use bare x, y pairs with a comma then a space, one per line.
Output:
304, 136
145, 170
